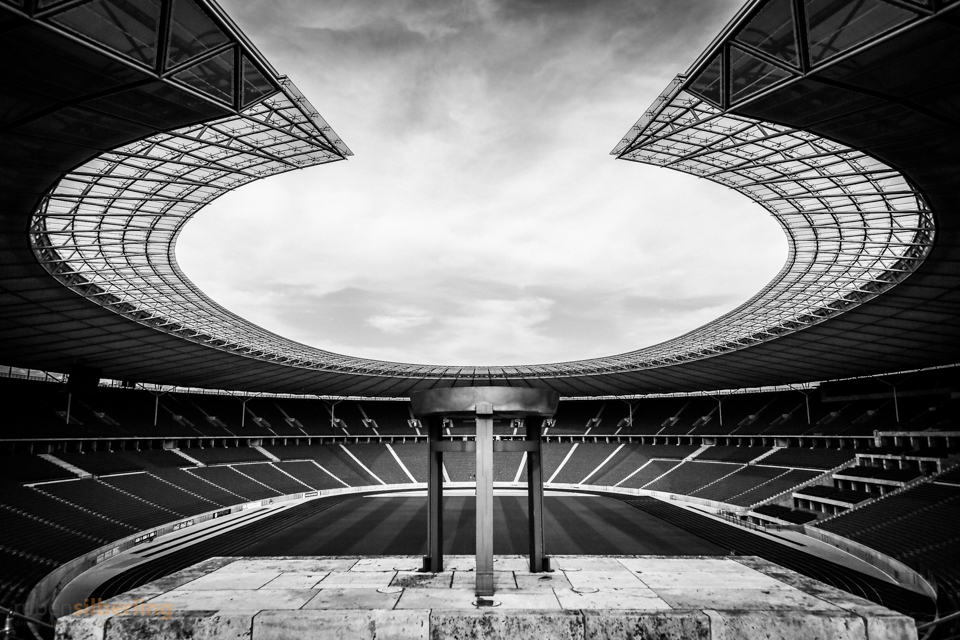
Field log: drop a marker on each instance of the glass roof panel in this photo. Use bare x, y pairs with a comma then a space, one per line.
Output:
126, 26
707, 84
771, 31
255, 85
213, 76
749, 74
191, 32
834, 26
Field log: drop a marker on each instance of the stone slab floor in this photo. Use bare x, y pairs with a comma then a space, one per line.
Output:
385, 597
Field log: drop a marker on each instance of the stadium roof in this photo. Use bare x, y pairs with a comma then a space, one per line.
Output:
125, 117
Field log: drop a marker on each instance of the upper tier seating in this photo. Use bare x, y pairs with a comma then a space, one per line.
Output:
273, 477
649, 472
785, 513
414, 457
745, 479
732, 454
809, 458
689, 477
31, 468
633, 456
232, 479
226, 455
378, 459
772, 488
331, 457
584, 460
99, 497
161, 493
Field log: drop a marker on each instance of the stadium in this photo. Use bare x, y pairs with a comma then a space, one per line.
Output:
153, 439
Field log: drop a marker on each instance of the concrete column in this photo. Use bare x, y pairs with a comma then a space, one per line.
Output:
535, 495
434, 560
484, 499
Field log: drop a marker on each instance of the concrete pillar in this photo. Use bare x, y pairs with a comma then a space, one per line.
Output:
535, 495
484, 572
434, 560
485, 404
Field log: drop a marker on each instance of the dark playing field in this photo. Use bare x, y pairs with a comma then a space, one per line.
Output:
398, 526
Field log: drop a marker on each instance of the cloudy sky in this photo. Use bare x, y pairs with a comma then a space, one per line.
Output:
482, 219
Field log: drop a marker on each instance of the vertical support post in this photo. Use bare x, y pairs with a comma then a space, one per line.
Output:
434, 560
896, 406
535, 495
484, 443
156, 408
69, 402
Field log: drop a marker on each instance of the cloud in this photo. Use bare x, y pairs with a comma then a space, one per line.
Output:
482, 220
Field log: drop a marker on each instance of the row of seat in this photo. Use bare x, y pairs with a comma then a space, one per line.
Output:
108, 412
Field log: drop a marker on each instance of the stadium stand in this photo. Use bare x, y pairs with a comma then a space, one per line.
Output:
460, 466
414, 458
809, 458
161, 493
273, 477
793, 516
586, 459
634, 456
378, 459
688, 477
740, 481
98, 497
310, 474
225, 455
31, 468
648, 473
330, 457
732, 454
773, 488
235, 482
506, 465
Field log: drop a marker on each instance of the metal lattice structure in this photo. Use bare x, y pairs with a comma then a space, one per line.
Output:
855, 226
106, 229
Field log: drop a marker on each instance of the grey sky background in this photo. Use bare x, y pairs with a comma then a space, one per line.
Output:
481, 220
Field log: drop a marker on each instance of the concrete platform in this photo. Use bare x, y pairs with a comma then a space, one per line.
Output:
386, 598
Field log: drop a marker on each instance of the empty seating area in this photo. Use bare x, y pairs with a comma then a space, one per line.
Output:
32, 502
378, 459
231, 479
161, 493
330, 457
203, 488
414, 458
273, 478
917, 526
390, 417
585, 458
226, 455
692, 476
461, 466
31, 468
633, 456
505, 466
98, 497
741, 481
649, 472
786, 514
742, 455
809, 458
827, 499
310, 474
772, 488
